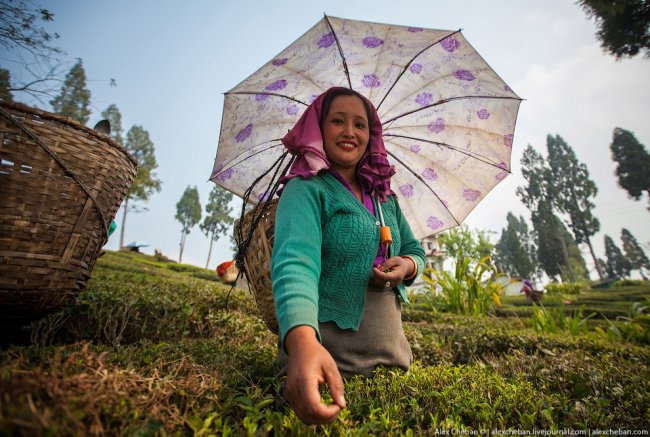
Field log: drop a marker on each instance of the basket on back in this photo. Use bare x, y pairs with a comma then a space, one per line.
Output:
61, 184
257, 259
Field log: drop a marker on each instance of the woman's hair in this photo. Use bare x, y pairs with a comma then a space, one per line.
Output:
344, 92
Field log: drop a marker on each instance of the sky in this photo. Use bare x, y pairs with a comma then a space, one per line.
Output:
172, 62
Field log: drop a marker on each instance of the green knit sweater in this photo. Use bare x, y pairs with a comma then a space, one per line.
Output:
325, 244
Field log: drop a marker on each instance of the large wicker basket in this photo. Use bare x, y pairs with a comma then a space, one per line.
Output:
61, 184
257, 260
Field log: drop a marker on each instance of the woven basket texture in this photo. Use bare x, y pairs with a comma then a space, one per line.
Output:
257, 261
61, 184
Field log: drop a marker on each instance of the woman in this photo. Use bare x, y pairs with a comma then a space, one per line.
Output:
337, 289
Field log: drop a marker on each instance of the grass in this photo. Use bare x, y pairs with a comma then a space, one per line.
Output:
154, 350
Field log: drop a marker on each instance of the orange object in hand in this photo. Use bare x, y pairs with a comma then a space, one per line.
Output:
384, 235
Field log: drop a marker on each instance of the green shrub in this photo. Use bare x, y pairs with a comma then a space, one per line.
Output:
553, 320
564, 288
631, 282
635, 327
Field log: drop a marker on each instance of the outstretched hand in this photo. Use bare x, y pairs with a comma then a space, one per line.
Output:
392, 271
311, 365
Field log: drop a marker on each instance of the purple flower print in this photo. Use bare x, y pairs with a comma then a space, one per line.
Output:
424, 99
502, 165
437, 126
416, 68
312, 98
292, 110
415, 29
450, 44
280, 61
406, 190
372, 42
225, 175
415, 148
434, 222
371, 81
444, 202
507, 140
277, 85
244, 133
325, 41
501, 175
464, 75
261, 97
471, 195
429, 174
507, 88
483, 114
263, 197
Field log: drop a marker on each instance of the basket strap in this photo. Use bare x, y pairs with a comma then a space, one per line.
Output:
83, 187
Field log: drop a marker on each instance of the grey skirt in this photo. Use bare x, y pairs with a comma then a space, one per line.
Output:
380, 339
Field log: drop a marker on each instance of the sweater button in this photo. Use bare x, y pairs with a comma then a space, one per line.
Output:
377, 223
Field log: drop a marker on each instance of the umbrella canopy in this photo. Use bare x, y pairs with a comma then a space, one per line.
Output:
448, 118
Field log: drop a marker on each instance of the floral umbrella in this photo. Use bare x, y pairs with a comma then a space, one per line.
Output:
448, 118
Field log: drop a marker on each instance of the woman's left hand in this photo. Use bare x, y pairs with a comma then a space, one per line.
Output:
392, 272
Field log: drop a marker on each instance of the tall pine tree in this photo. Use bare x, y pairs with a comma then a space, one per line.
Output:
188, 213
633, 163
634, 254
617, 265
146, 183
515, 252
573, 192
74, 98
538, 195
217, 219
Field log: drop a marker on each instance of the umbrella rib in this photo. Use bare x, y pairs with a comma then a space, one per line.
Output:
443, 101
267, 94
424, 183
409, 63
251, 155
338, 44
477, 156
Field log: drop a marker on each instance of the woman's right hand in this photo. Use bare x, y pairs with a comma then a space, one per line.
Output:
311, 365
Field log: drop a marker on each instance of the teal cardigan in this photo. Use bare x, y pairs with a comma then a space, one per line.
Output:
325, 244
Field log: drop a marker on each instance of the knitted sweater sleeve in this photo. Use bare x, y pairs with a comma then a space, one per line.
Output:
296, 260
410, 246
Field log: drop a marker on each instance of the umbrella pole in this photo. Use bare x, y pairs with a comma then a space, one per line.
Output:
384, 232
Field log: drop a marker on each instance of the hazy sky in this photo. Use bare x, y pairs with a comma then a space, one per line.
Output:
173, 61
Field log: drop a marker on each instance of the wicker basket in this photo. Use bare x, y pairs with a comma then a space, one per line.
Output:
61, 184
257, 261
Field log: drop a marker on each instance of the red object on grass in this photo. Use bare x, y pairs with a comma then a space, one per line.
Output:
221, 268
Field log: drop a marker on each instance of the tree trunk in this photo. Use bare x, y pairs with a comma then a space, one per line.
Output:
126, 208
210, 250
593, 255
180, 256
567, 260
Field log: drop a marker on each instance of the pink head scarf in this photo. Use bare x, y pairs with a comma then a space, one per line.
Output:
306, 142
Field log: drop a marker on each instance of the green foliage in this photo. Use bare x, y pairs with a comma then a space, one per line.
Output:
633, 253
623, 25
218, 218
554, 320
468, 291
564, 288
515, 252
470, 244
74, 98
141, 147
114, 117
633, 163
188, 213
617, 265
635, 327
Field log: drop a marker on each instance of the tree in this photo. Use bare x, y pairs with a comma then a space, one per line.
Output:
634, 253
633, 169
28, 47
146, 183
470, 244
623, 25
515, 251
114, 117
74, 99
188, 213
538, 195
617, 265
218, 220
573, 192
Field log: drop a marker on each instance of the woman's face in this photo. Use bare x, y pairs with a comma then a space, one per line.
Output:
345, 132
